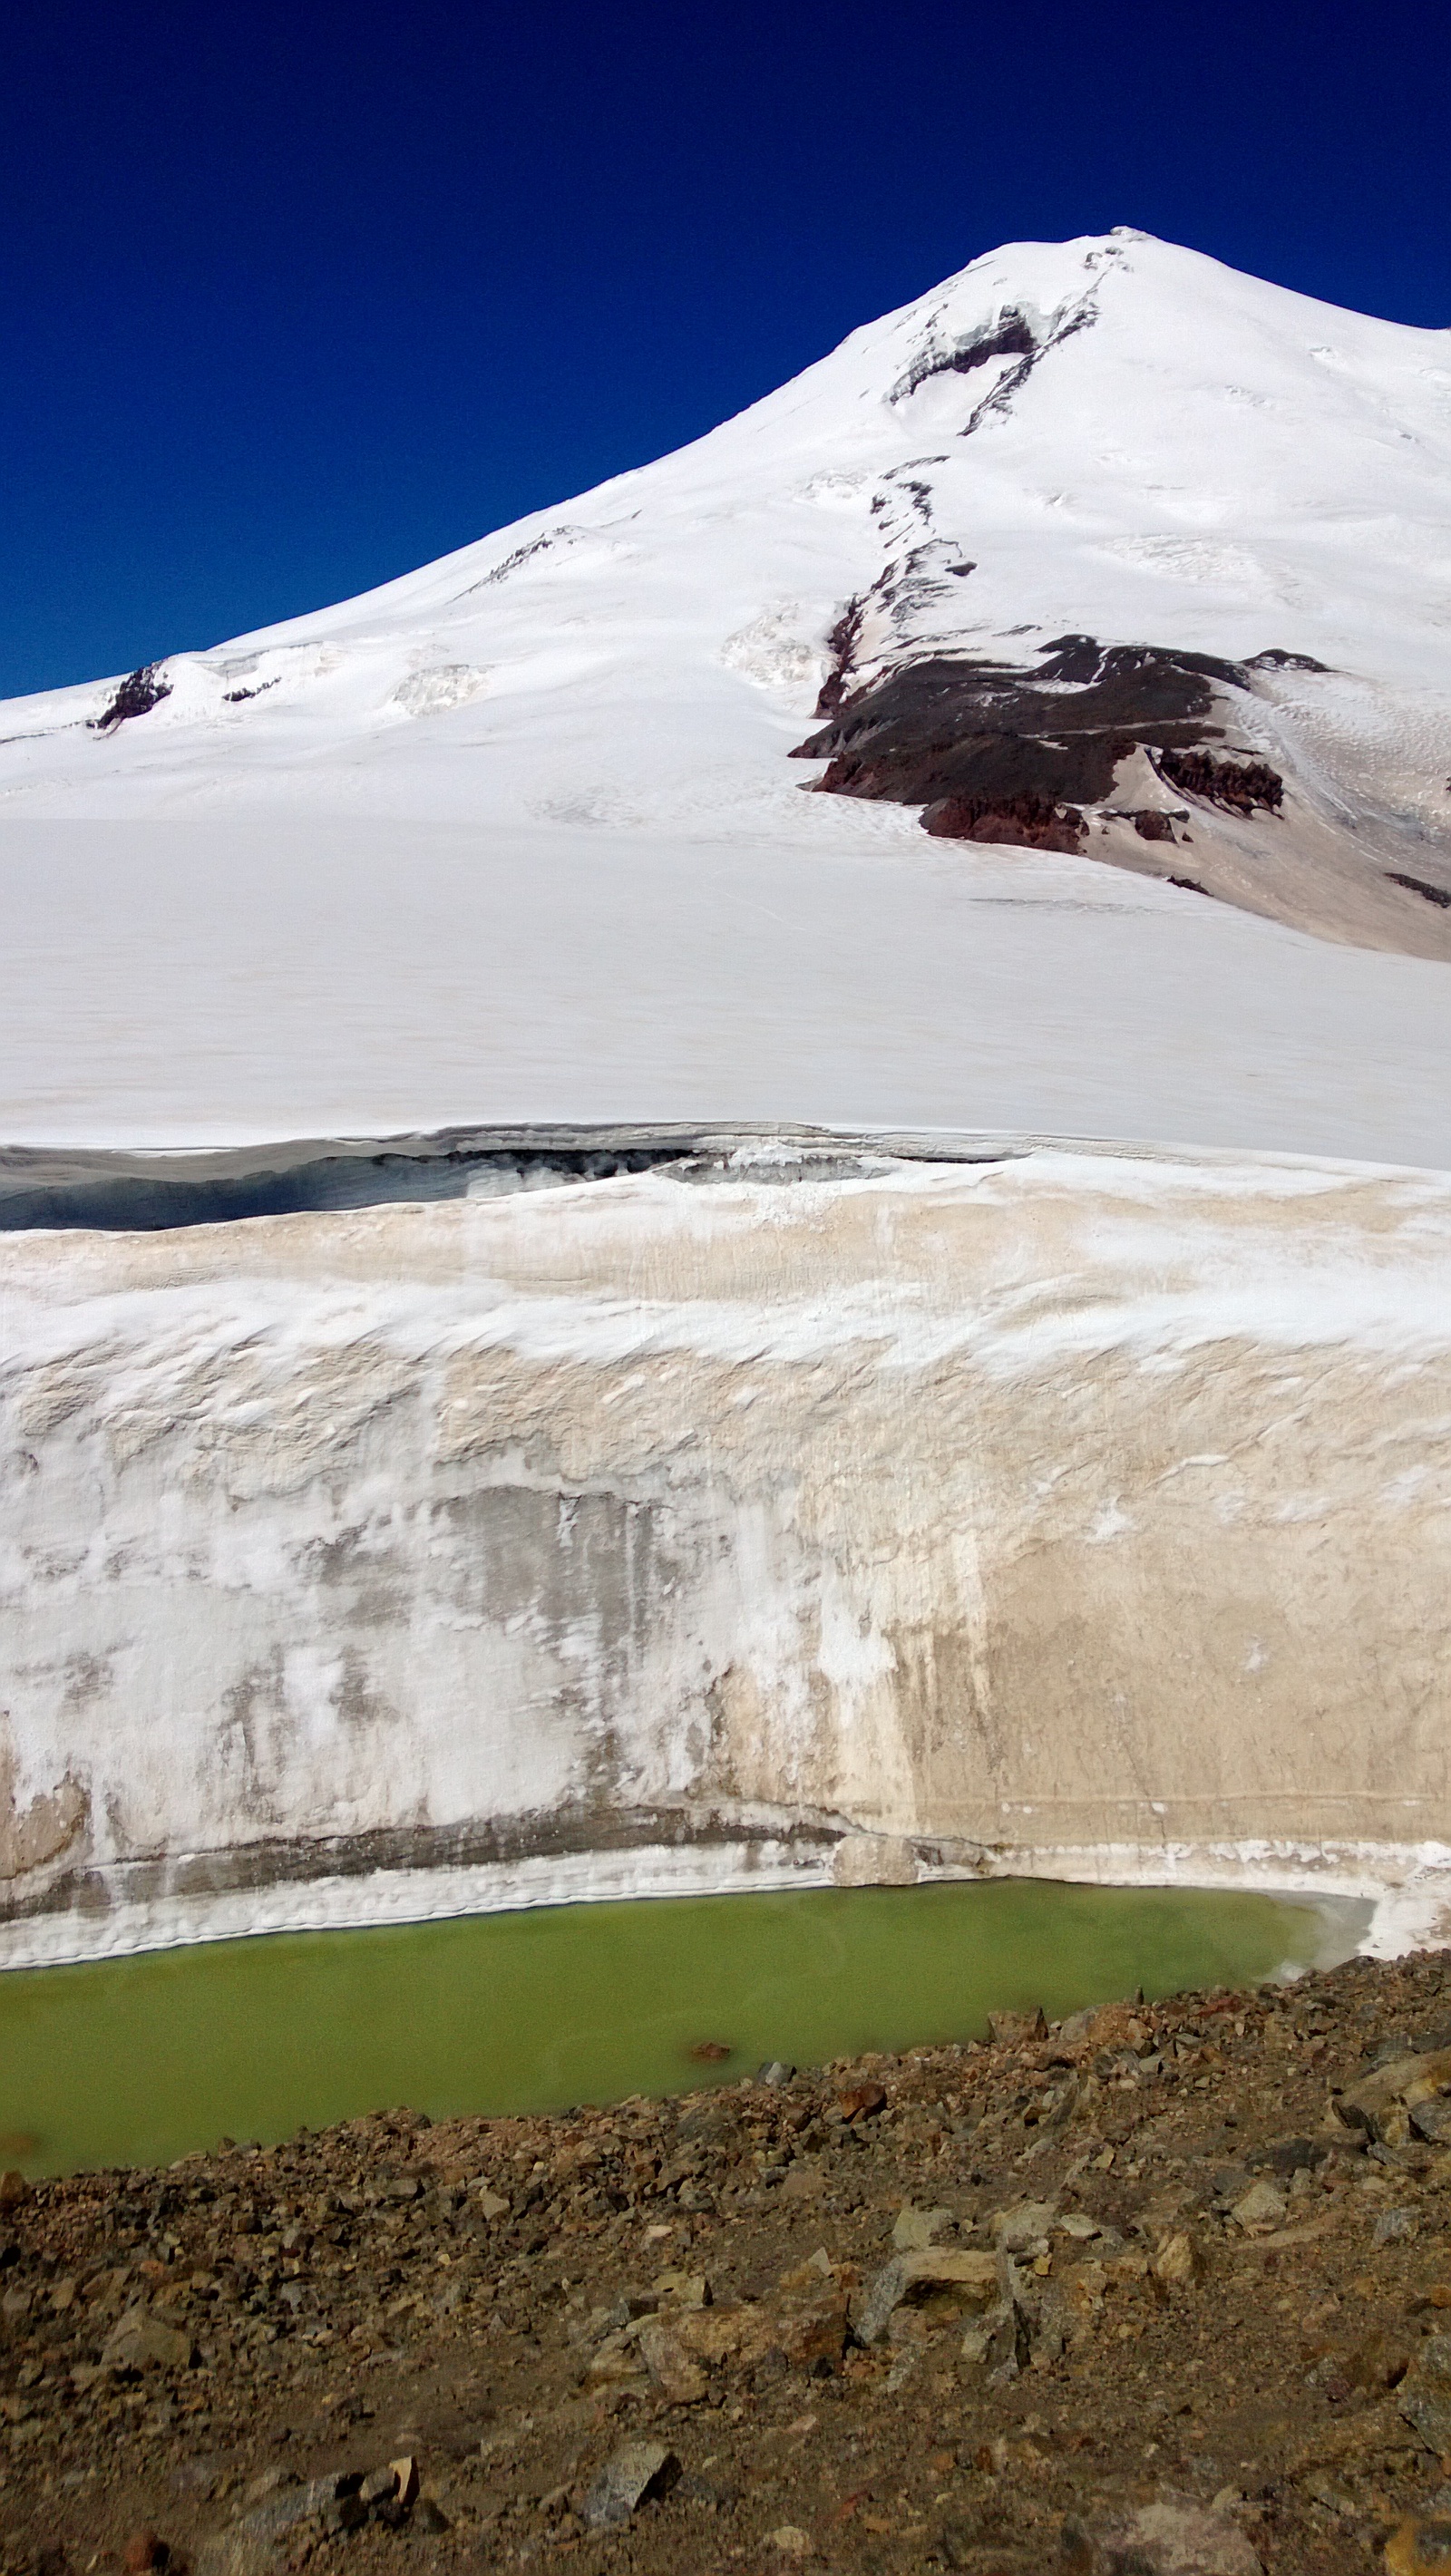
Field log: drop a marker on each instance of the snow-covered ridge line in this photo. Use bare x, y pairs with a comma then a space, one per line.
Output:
936, 1517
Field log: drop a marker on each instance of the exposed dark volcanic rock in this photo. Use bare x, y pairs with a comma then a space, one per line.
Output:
1276, 660
986, 734
1153, 827
1241, 785
841, 644
1418, 885
1021, 822
138, 693
1010, 336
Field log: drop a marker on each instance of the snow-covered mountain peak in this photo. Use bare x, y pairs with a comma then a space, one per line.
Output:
1237, 495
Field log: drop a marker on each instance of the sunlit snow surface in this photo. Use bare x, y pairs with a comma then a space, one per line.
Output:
516, 836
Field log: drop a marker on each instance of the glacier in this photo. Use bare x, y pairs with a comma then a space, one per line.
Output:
1076, 1514
1062, 1488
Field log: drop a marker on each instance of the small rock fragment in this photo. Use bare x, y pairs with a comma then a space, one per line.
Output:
1024, 2228
997, 2343
1395, 2227
683, 2289
1261, 2208
1179, 2262
630, 2477
791, 2540
1077, 2030
1173, 2537
677, 2377
776, 2071
915, 2228
1018, 2028
1327, 2491
1380, 2362
815, 2332
143, 2551
1424, 2395
141, 2337
1296, 2155
971, 2280
858, 2101
802, 2182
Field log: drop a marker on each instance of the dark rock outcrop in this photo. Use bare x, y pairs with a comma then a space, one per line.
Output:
1022, 822
1420, 886
1240, 785
138, 693
987, 734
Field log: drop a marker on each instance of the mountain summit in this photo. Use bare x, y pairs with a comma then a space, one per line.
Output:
1099, 548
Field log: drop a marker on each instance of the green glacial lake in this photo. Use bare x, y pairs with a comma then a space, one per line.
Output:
134, 2061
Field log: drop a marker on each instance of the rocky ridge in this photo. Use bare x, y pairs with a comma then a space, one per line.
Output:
1161, 2288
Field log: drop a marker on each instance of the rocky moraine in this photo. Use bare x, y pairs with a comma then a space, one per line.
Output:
1165, 2287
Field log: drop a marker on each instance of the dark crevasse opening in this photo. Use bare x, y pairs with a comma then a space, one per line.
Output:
148, 1193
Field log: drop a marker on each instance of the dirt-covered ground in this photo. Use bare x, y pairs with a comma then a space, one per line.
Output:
1161, 2289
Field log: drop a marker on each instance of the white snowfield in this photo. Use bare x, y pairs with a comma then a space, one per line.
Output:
517, 835
1064, 1515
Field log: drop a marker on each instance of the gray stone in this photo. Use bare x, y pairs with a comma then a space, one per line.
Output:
1424, 2395
140, 2338
1024, 2228
1395, 2227
997, 2343
248, 2546
631, 2475
776, 2071
971, 2279
1077, 2030
1173, 2537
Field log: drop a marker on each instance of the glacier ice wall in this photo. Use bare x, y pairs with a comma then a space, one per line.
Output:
1080, 1513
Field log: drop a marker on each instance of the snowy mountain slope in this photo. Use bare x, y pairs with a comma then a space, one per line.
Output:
1112, 440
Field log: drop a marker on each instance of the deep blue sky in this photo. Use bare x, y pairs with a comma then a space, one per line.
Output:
294, 299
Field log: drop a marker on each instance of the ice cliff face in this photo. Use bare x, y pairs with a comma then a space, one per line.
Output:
1067, 1512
